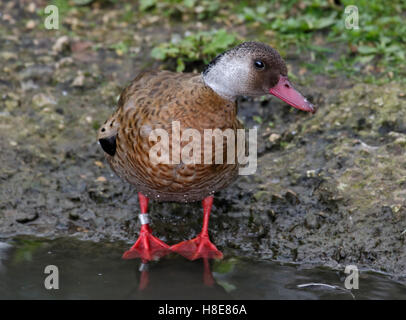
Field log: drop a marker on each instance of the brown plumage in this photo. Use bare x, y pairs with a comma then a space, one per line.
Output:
153, 101
157, 100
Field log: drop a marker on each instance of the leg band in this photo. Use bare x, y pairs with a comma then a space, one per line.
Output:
143, 267
144, 219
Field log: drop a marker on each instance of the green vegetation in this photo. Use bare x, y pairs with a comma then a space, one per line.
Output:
26, 249
121, 47
257, 119
312, 27
198, 9
201, 46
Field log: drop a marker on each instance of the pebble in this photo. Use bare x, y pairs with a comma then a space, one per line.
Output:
24, 217
28, 85
88, 215
274, 137
99, 164
312, 221
292, 197
61, 44
11, 104
32, 7
41, 100
73, 215
7, 55
311, 173
37, 72
79, 81
101, 179
30, 24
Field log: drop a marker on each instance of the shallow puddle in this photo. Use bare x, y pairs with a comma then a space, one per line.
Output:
89, 270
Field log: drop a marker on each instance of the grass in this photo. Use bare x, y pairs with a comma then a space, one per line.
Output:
314, 27
196, 9
198, 47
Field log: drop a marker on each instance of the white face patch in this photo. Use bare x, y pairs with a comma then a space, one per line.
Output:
233, 73
229, 77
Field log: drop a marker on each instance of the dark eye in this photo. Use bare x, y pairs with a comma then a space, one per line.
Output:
259, 64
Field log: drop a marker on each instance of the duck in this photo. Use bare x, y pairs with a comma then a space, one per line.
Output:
156, 100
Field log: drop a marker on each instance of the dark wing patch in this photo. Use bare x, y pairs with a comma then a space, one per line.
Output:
109, 145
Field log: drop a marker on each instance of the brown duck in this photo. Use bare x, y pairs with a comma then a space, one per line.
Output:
155, 101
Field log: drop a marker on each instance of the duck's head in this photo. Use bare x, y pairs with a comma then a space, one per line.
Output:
253, 69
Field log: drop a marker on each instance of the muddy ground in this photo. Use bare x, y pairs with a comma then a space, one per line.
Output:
329, 189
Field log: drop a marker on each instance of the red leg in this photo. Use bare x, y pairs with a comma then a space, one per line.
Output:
147, 247
144, 279
208, 279
201, 246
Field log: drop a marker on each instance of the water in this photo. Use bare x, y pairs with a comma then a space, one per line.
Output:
90, 270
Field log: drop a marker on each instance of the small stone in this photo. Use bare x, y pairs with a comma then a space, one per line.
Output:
101, 179
379, 101
274, 137
396, 208
79, 81
11, 104
342, 186
401, 141
395, 134
80, 229
24, 217
42, 73
32, 7
199, 9
30, 24
67, 204
9, 18
311, 173
80, 46
99, 164
73, 215
271, 213
88, 215
292, 197
28, 85
41, 100
277, 199
7, 55
64, 62
312, 221
61, 44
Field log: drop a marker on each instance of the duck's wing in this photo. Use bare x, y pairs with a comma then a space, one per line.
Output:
156, 100
145, 105
135, 103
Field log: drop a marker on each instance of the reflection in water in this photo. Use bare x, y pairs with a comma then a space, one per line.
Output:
91, 270
4, 247
208, 279
144, 280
